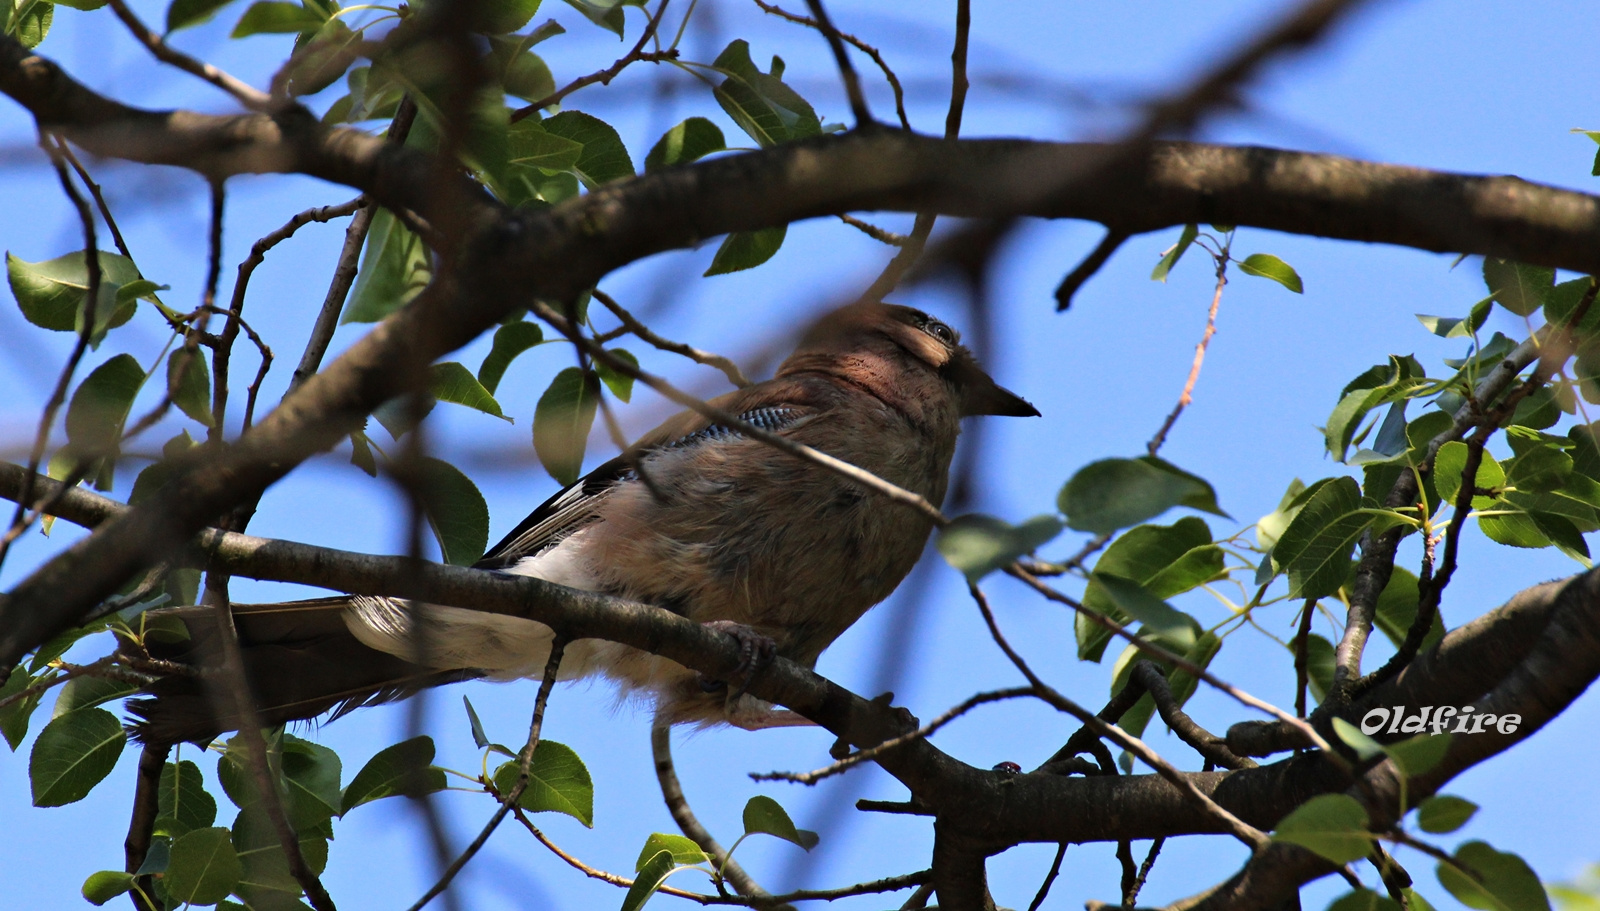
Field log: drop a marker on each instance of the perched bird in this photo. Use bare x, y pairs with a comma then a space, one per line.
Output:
695, 518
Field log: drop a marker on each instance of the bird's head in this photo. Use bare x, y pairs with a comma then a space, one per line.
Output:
891, 345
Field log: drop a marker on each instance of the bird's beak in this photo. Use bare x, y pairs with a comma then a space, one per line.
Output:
980, 394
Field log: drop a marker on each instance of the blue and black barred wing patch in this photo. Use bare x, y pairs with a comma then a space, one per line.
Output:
771, 419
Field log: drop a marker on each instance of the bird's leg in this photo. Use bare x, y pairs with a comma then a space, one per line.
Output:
756, 652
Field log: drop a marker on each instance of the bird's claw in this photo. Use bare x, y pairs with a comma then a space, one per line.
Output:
756, 652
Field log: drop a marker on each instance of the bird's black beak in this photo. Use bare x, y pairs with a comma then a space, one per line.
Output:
980, 394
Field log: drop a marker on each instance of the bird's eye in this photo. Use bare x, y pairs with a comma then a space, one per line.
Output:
940, 331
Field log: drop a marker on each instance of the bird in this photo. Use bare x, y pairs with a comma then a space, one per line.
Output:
695, 518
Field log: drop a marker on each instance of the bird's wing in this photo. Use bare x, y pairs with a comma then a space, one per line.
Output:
773, 406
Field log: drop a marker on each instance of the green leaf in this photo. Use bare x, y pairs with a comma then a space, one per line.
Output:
1504, 881
530, 145
51, 293
620, 384
276, 17
183, 804
1562, 304
203, 868
100, 405
763, 814
452, 382
105, 885
478, 736
604, 157
404, 769
1397, 610
1319, 666
1268, 266
34, 25
1417, 755
1444, 813
1315, 549
510, 341
189, 384
523, 73
14, 717
605, 13
1167, 560
978, 544
456, 511
1378, 386
651, 874
1332, 825
1117, 493
558, 782
561, 423
1539, 469
683, 850
1365, 746
746, 249
186, 13
1365, 900
1175, 253
1172, 628
265, 865
322, 58
769, 111
73, 754
1449, 470
394, 269
1518, 287
1505, 523
498, 17
689, 141
88, 692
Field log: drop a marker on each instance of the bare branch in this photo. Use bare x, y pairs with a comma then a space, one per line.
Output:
605, 76
246, 94
632, 324
773, 9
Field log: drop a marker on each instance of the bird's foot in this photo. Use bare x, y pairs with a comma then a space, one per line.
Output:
756, 652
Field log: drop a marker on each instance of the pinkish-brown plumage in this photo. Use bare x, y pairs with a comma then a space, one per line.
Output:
729, 530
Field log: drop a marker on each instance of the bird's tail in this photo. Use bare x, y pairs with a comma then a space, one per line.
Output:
300, 659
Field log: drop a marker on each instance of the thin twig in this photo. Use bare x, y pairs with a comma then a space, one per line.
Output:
604, 77
917, 241
1240, 829
926, 730
632, 324
838, 466
1187, 396
58, 395
68, 672
508, 800
99, 198
858, 44
678, 807
1161, 654
873, 231
847, 70
1086, 270
1131, 897
247, 95
1302, 660
1049, 878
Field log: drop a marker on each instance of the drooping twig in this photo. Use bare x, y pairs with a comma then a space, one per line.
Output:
865, 48
860, 756
1240, 829
1086, 270
246, 94
911, 251
344, 273
847, 70
508, 800
1049, 878
678, 806
604, 77
633, 325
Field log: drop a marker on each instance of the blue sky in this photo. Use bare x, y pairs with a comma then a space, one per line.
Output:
1478, 87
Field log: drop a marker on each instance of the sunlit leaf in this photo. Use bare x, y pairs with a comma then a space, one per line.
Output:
1332, 825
